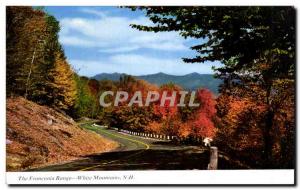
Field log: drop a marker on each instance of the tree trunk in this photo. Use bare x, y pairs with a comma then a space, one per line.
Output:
268, 141
268, 124
29, 74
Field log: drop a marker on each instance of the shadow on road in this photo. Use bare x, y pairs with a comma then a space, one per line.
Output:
184, 159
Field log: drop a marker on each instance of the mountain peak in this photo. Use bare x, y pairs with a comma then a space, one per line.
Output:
160, 73
193, 74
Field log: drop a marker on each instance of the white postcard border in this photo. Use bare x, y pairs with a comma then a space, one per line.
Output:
204, 177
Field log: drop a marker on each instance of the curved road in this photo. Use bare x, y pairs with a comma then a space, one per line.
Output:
139, 153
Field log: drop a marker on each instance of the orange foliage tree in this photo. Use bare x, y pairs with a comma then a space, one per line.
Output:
135, 117
202, 122
167, 118
242, 115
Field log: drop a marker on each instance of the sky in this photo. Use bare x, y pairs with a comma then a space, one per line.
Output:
100, 40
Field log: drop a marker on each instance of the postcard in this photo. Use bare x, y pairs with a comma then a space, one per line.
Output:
150, 95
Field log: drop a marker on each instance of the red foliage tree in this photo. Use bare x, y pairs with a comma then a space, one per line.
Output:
208, 102
202, 124
166, 111
167, 114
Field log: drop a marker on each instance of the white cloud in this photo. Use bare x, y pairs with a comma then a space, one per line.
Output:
75, 41
93, 12
113, 34
119, 49
135, 64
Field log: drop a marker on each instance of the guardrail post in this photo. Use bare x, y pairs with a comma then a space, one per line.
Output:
213, 163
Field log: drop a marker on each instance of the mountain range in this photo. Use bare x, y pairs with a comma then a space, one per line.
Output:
190, 81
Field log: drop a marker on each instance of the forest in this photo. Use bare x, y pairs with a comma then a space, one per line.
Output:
253, 116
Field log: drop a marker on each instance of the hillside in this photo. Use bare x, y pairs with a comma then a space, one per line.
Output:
38, 135
190, 81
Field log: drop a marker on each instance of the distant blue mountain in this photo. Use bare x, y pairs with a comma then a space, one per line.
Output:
190, 81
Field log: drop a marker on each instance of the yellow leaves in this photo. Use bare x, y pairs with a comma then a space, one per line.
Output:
185, 130
154, 127
65, 93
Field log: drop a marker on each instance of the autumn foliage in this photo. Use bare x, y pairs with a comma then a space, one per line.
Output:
37, 68
198, 123
203, 121
242, 123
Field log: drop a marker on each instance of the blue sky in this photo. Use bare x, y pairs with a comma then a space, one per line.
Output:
100, 40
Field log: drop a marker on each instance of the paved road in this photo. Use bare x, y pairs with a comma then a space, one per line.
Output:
138, 153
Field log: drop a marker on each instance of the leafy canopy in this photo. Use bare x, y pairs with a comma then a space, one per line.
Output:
243, 33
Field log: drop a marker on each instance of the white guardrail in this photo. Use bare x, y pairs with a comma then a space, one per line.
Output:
147, 135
